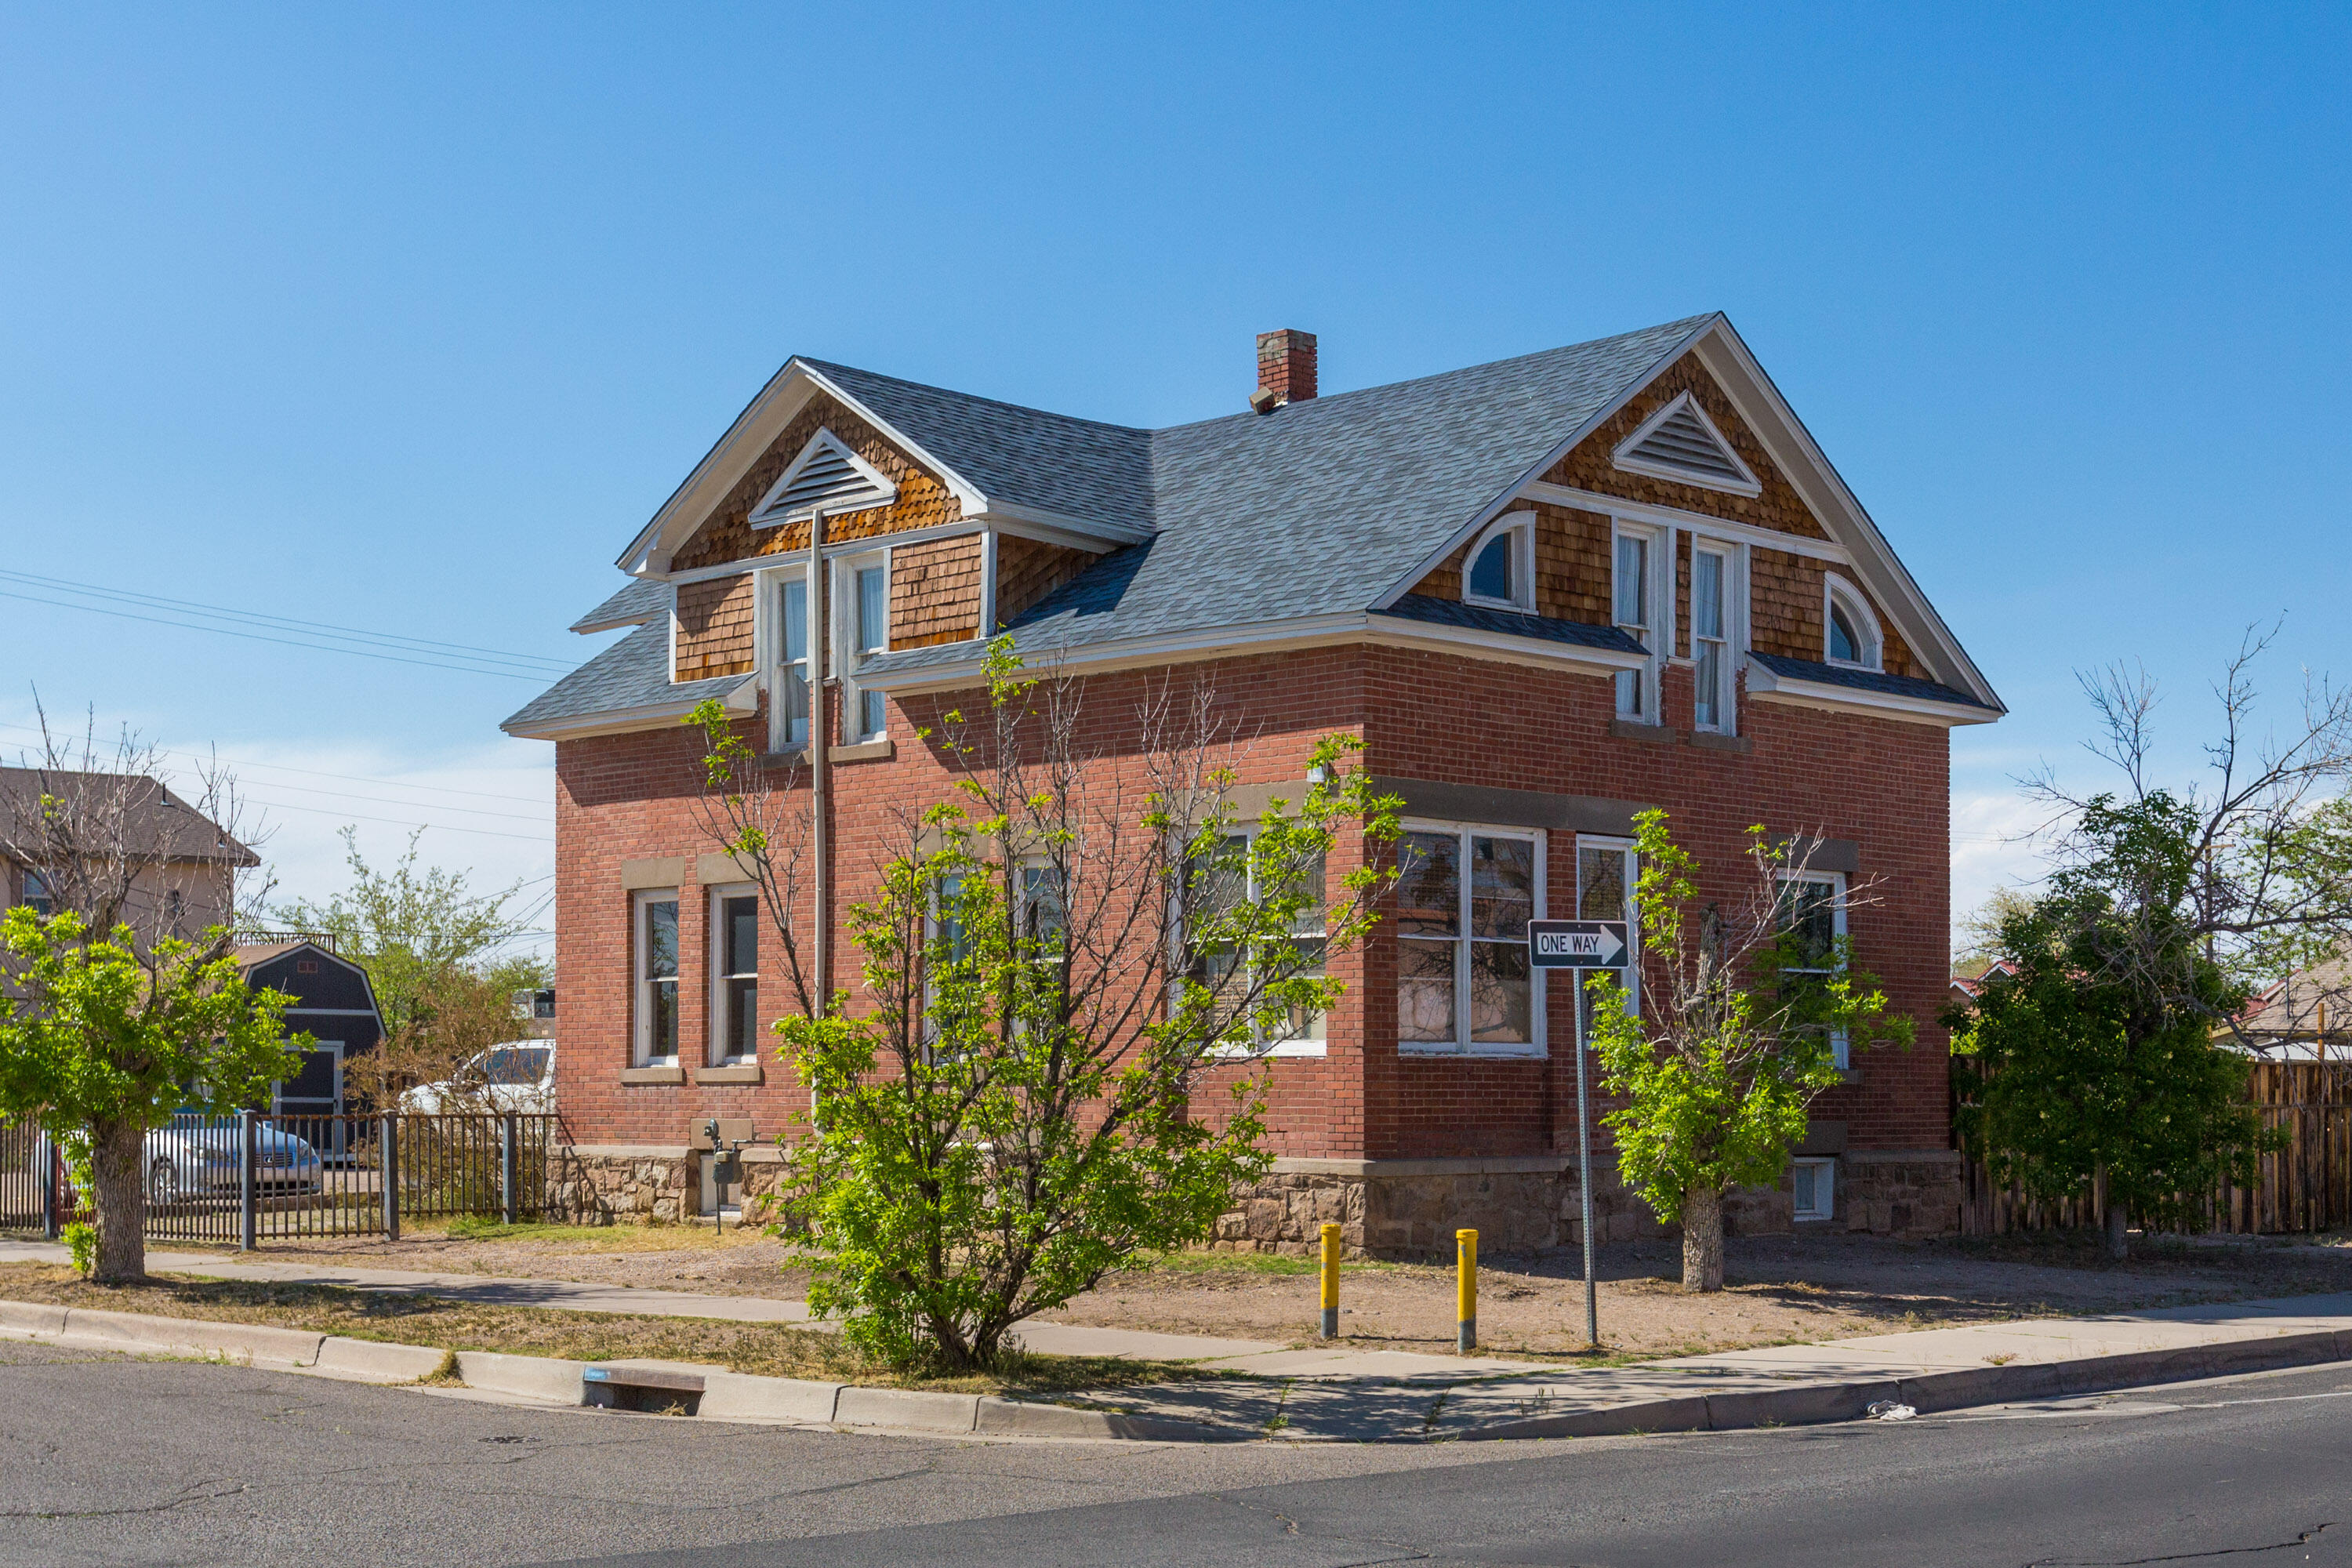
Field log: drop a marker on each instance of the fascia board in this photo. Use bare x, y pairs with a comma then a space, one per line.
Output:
1696, 522
590, 628
1058, 528
1767, 685
1235, 642
740, 702
1875, 560
1543, 465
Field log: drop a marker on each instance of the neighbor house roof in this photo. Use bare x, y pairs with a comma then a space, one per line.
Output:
1331, 507
155, 821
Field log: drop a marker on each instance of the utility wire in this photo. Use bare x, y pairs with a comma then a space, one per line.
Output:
318, 773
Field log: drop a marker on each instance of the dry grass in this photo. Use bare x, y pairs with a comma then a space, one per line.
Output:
768, 1349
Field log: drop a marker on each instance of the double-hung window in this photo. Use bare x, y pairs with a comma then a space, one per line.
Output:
1711, 621
1606, 869
1464, 900
654, 918
1812, 909
1220, 967
865, 621
793, 706
734, 974
1638, 612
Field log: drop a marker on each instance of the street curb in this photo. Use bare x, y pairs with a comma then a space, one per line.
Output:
525, 1376
255, 1344
374, 1361
1812, 1404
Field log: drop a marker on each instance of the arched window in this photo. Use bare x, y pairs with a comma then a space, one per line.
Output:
1849, 628
1500, 569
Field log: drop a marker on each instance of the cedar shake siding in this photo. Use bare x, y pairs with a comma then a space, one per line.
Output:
923, 502
935, 592
1027, 570
714, 628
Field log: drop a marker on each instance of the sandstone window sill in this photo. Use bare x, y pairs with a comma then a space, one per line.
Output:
1709, 740
671, 1074
735, 1072
880, 751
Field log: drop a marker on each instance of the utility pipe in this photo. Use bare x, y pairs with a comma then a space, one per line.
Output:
820, 766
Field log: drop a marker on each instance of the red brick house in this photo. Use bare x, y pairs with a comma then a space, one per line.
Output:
1547, 593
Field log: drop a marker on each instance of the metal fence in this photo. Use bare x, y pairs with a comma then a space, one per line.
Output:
254, 1176
2304, 1187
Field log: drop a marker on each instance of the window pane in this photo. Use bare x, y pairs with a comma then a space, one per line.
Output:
1429, 892
1842, 643
795, 638
1502, 888
1042, 914
1706, 593
741, 916
872, 716
1632, 580
1304, 1024
1426, 990
1707, 681
1308, 921
661, 940
1490, 574
663, 1033
742, 1012
1628, 692
1501, 995
1600, 884
1808, 908
796, 705
949, 923
873, 609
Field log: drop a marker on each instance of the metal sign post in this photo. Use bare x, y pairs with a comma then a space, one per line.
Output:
1577, 946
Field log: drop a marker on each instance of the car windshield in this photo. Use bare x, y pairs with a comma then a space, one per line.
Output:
515, 1065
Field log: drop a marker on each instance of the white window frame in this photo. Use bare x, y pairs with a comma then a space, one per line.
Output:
1461, 1045
1836, 592
849, 653
641, 984
1825, 1186
716, 1017
1658, 631
1519, 529
1733, 640
1631, 975
1840, 1046
1262, 1046
768, 633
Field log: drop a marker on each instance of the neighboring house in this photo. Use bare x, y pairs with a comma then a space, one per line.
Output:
334, 1004
1547, 593
184, 866
2307, 1017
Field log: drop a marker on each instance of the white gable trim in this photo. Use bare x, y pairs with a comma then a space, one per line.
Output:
1626, 456
1696, 522
880, 490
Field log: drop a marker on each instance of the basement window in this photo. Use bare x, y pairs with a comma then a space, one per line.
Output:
1815, 1183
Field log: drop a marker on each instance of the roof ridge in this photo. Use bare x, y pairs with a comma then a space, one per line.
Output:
972, 396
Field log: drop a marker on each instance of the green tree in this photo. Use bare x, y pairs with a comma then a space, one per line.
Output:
1054, 961
1733, 1037
435, 955
101, 1044
2092, 1066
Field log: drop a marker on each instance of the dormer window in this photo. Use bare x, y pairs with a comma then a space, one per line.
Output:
1501, 572
1850, 629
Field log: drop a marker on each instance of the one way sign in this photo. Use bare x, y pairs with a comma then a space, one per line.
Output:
1577, 944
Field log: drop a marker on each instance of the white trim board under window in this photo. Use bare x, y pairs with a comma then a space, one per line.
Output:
653, 960
1499, 570
734, 1014
1463, 902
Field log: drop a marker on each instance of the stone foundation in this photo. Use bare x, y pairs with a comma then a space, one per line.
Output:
1410, 1208
615, 1183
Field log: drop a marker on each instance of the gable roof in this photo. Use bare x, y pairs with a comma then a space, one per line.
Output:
1324, 511
154, 818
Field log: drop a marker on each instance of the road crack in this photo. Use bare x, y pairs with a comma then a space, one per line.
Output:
2305, 1539
210, 1490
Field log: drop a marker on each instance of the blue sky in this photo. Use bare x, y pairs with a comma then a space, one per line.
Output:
406, 317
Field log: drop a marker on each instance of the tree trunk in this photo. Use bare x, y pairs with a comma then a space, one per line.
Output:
2118, 1237
1703, 1239
117, 1179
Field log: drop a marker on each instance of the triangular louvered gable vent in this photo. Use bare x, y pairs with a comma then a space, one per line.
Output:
826, 474
1680, 442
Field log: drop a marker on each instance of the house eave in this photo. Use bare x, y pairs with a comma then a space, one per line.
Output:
740, 702
1765, 686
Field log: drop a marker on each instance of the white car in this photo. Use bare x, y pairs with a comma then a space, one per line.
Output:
519, 1075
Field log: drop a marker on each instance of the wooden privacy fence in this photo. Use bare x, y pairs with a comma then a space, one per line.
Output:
2306, 1186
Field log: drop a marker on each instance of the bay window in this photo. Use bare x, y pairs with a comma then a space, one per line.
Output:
1464, 896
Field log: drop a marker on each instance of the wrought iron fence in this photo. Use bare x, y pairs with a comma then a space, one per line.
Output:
253, 1177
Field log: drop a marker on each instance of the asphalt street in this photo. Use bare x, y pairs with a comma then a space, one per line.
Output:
109, 1460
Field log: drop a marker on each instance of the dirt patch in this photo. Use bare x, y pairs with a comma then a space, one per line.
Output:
1781, 1288
769, 1349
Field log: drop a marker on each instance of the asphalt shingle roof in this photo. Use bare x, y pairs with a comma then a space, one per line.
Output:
632, 673
1864, 679
1320, 507
637, 601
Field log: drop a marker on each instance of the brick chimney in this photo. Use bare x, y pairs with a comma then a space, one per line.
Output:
1286, 369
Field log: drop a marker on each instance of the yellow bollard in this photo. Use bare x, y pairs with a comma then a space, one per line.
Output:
1465, 1291
1330, 1282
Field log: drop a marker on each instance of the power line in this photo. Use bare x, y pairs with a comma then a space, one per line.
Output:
397, 640
397, 822
315, 773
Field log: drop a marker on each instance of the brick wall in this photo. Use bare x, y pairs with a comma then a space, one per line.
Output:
1881, 784
714, 628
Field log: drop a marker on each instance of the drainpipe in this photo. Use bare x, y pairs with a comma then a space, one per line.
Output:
820, 765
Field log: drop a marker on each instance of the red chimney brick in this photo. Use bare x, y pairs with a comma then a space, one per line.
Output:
1286, 366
